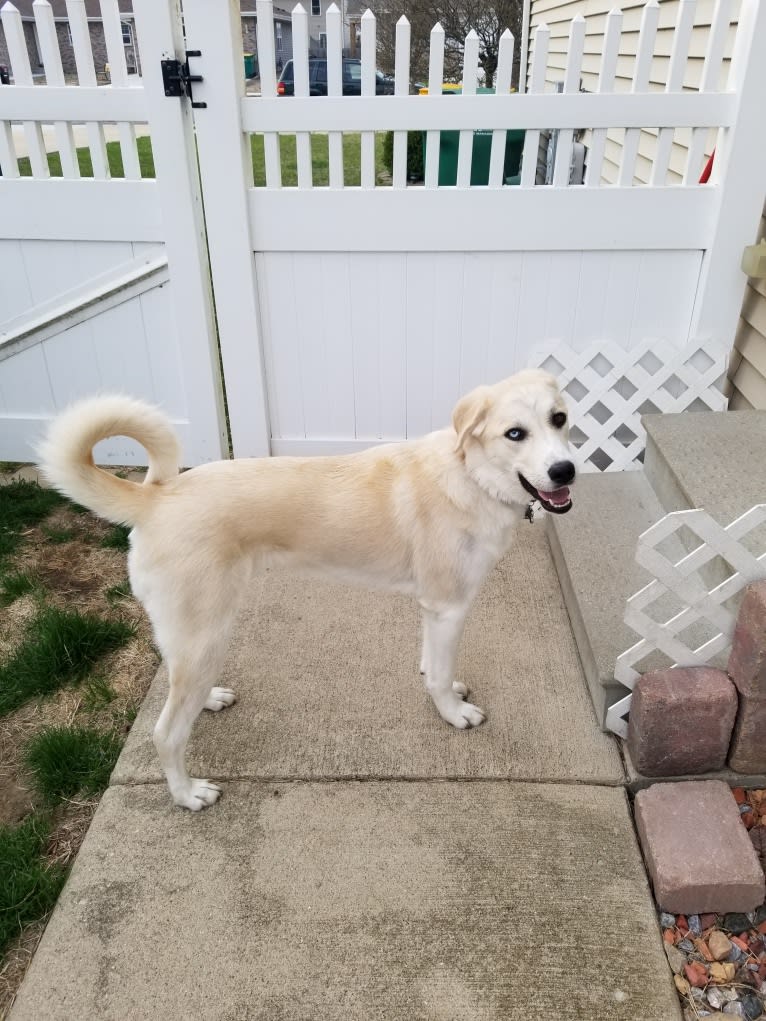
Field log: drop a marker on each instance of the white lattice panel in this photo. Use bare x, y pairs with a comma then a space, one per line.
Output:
681, 584
608, 389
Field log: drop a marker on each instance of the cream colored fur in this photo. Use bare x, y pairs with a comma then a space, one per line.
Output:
428, 517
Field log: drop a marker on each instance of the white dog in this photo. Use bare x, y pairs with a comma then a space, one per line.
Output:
428, 517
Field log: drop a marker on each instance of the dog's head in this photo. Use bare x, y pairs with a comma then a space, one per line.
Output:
514, 438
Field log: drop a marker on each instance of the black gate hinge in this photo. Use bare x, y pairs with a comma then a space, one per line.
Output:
177, 80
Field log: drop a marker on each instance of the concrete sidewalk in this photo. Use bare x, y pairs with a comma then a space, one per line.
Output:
366, 861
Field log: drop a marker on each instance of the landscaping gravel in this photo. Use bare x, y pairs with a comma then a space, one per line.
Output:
719, 961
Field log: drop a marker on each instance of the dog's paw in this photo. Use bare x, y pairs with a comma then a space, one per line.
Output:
459, 688
220, 698
461, 714
199, 794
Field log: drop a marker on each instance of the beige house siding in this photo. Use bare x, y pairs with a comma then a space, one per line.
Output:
748, 364
748, 367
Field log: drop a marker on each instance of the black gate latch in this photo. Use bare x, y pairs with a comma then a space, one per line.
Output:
178, 81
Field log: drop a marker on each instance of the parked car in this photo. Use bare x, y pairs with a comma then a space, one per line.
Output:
384, 84
351, 79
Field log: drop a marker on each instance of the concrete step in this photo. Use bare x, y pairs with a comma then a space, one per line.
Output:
711, 461
594, 549
692, 460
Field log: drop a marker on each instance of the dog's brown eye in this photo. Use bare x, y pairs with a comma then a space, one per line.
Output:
559, 420
517, 435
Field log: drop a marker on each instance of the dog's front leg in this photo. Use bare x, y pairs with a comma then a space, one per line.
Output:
442, 631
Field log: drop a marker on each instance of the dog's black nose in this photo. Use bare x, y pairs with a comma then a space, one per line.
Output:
562, 472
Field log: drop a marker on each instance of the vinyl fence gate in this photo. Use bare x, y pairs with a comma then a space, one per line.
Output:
350, 312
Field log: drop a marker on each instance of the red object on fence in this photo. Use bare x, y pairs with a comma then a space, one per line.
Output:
708, 169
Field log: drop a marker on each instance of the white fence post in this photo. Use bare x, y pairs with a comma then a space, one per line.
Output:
160, 36
226, 165
740, 164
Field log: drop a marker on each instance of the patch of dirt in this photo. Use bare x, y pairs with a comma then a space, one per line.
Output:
15, 963
16, 801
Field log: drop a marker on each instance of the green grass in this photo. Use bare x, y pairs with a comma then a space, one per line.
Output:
28, 887
113, 155
117, 538
65, 761
58, 536
22, 505
15, 584
6, 467
116, 593
320, 160
98, 694
60, 647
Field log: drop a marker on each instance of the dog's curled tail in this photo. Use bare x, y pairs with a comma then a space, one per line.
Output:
66, 455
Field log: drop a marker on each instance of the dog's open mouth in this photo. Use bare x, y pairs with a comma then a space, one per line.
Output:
555, 501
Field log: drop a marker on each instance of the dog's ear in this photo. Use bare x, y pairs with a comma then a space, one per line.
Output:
470, 414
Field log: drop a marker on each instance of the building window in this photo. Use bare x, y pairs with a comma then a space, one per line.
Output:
69, 34
316, 7
278, 33
323, 42
127, 33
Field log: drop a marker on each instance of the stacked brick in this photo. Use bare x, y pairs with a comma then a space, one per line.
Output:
689, 720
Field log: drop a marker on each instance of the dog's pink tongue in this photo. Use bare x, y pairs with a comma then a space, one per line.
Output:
557, 497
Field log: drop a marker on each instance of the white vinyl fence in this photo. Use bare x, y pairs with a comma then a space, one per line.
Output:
355, 310
104, 282
381, 302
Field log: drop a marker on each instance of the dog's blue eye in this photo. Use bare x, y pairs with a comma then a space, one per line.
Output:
517, 435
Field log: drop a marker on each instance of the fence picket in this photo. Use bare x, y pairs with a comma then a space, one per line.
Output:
435, 78
740, 167
9, 165
470, 69
536, 84
571, 84
646, 37
118, 72
268, 72
54, 75
22, 75
675, 83
335, 88
502, 87
86, 76
611, 49
709, 83
401, 88
368, 89
301, 74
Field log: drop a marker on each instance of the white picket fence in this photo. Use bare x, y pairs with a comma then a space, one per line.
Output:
357, 312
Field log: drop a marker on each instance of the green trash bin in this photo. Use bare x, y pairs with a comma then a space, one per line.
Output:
249, 65
449, 144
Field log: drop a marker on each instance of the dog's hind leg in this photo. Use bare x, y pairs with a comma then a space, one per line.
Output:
190, 674
442, 631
